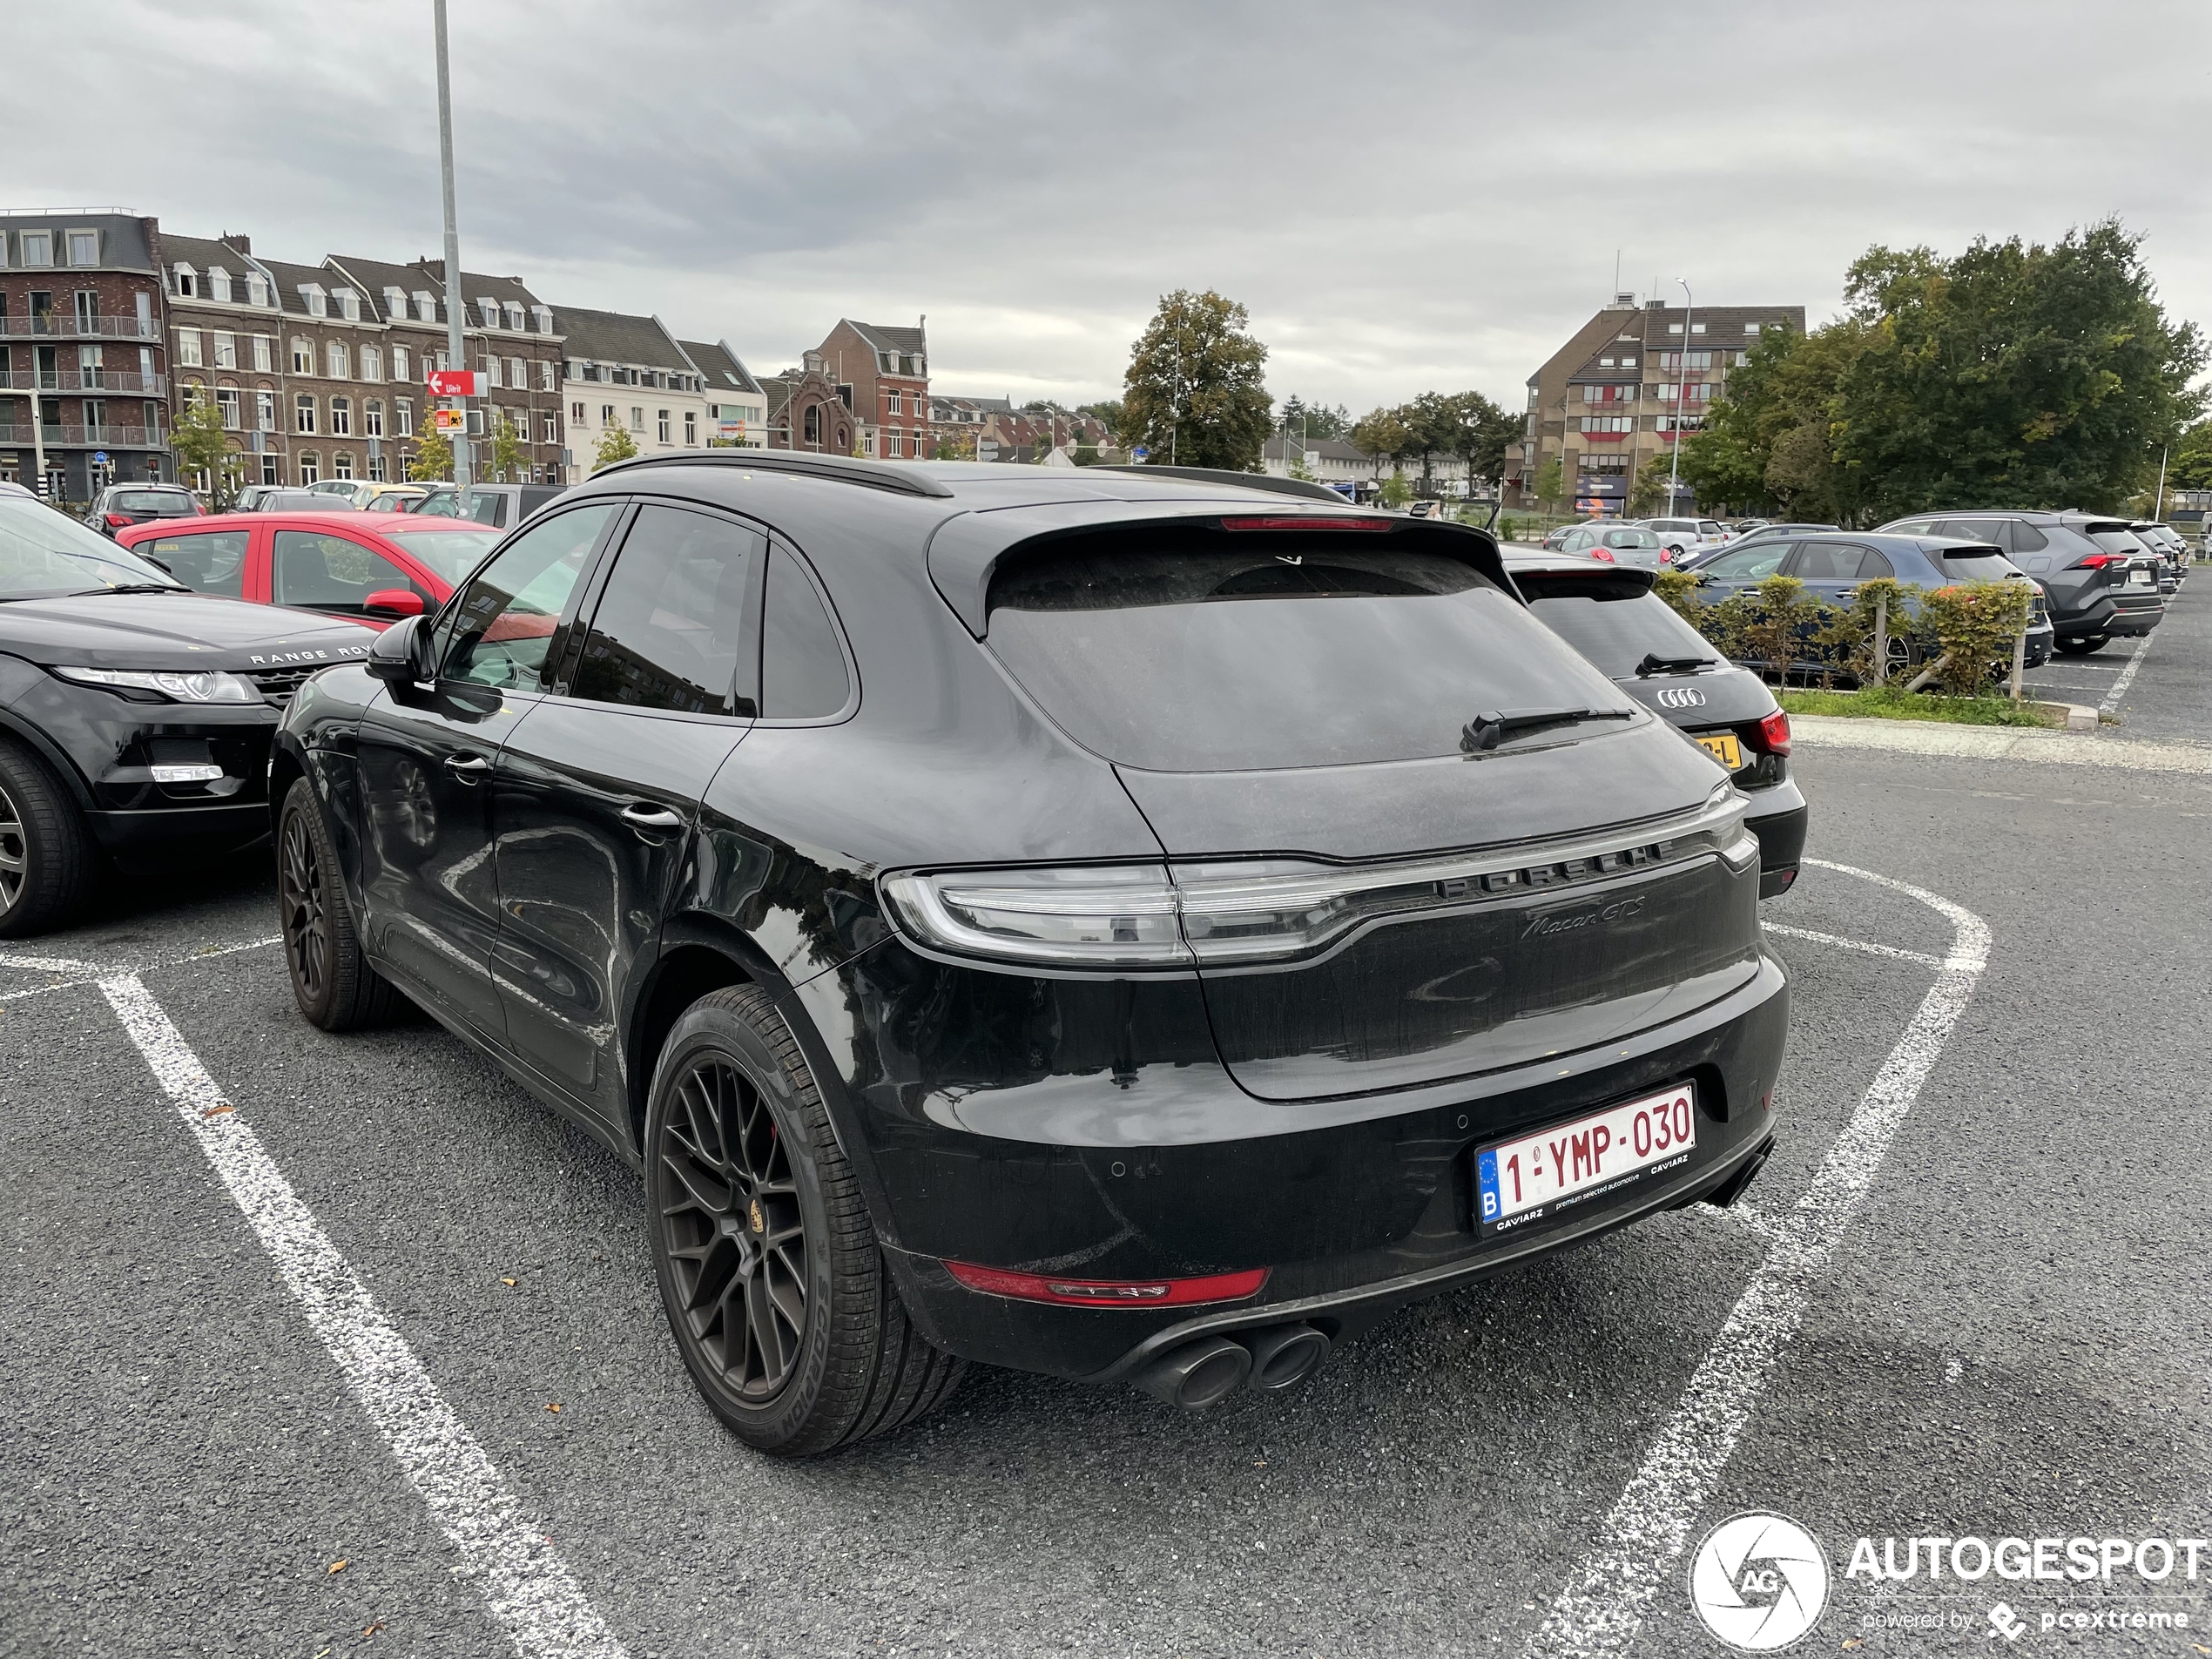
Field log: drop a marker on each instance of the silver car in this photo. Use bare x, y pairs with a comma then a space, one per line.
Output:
1626, 544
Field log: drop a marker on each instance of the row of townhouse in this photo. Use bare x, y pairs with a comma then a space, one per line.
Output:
991, 429
109, 326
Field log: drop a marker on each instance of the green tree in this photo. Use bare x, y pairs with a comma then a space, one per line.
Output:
1196, 389
433, 462
1382, 434
510, 453
1395, 492
2019, 374
1313, 421
1650, 495
1551, 482
201, 445
615, 444
2190, 465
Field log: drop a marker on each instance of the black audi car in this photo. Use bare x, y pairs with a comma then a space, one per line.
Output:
135, 715
1128, 929
1609, 614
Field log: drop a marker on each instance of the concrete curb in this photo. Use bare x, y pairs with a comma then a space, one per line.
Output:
2068, 748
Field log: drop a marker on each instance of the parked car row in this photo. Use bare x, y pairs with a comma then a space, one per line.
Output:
1134, 929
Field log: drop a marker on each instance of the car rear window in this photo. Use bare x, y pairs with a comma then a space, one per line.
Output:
1201, 651
1610, 623
1630, 538
170, 502
2113, 538
1973, 563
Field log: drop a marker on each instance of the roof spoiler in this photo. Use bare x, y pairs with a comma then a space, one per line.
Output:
845, 470
1298, 487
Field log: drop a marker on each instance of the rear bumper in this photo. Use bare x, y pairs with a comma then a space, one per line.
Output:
1352, 1220
2133, 621
1778, 817
2085, 623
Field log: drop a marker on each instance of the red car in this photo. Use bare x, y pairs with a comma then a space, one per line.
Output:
372, 568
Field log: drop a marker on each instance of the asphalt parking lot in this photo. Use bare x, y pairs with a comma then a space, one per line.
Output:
1966, 1296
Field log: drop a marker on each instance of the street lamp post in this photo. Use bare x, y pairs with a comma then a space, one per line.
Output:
455, 356
1682, 381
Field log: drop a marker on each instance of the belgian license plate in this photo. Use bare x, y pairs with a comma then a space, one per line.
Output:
1723, 747
1571, 1163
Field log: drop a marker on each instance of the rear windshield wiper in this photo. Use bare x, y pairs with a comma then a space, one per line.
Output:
134, 587
1653, 662
1487, 731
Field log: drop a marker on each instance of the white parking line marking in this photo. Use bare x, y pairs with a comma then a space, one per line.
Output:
46, 964
1607, 1593
529, 1588
92, 975
1868, 945
2111, 704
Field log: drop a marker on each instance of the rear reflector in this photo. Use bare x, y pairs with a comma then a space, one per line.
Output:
2098, 561
1306, 522
1109, 1292
1771, 735
116, 521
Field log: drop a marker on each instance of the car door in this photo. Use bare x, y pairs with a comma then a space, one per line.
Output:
1832, 570
205, 561
339, 574
429, 881
596, 793
1722, 574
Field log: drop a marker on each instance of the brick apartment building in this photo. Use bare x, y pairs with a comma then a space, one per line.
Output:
809, 410
883, 374
84, 363
1617, 397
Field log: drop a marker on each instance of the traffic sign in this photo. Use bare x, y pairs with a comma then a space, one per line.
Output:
455, 382
1140, 453
100, 457
449, 420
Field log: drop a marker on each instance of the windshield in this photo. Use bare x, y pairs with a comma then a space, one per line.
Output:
1974, 563
1612, 624
154, 501
41, 552
449, 553
1197, 650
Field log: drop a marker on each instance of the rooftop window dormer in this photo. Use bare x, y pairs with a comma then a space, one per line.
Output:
349, 305
544, 317
513, 310
187, 278
219, 284
395, 302
315, 298
257, 289
425, 306
488, 309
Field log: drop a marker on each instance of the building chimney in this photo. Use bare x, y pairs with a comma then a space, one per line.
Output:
1622, 301
236, 243
813, 360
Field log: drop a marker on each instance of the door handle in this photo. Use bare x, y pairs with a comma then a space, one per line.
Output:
468, 768
650, 818
1844, 596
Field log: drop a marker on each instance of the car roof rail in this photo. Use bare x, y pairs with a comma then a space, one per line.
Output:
1243, 479
847, 469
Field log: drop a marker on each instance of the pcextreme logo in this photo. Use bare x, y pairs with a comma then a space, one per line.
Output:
1759, 1582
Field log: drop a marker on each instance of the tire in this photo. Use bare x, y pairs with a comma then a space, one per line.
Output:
332, 981
46, 853
2082, 647
775, 1288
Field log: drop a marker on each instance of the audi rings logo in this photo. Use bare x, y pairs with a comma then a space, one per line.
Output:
1759, 1582
1682, 698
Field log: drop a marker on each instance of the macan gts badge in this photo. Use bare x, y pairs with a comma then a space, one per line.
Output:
1138, 928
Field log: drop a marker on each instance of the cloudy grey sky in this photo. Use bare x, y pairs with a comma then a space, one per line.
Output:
1408, 197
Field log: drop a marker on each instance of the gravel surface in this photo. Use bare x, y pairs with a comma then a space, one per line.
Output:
2013, 1338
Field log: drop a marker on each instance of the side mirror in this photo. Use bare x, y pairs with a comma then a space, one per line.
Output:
394, 602
402, 654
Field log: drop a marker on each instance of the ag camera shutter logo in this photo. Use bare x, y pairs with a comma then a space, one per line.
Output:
1759, 1582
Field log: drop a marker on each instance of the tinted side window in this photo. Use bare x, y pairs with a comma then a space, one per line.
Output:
213, 562
2026, 538
802, 670
1827, 562
501, 631
1873, 565
325, 572
669, 627
1750, 565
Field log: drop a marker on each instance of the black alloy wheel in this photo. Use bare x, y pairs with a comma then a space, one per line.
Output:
736, 1232
775, 1288
306, 927
332, 980
46, 855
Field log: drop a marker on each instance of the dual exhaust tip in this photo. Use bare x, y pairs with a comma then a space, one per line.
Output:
1207, 1370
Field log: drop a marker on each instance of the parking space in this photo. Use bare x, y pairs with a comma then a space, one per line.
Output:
2005, 1334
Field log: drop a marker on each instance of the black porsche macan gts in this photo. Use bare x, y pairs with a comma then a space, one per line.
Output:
1134, 928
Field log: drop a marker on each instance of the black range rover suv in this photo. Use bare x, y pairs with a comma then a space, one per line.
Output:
1128, 929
